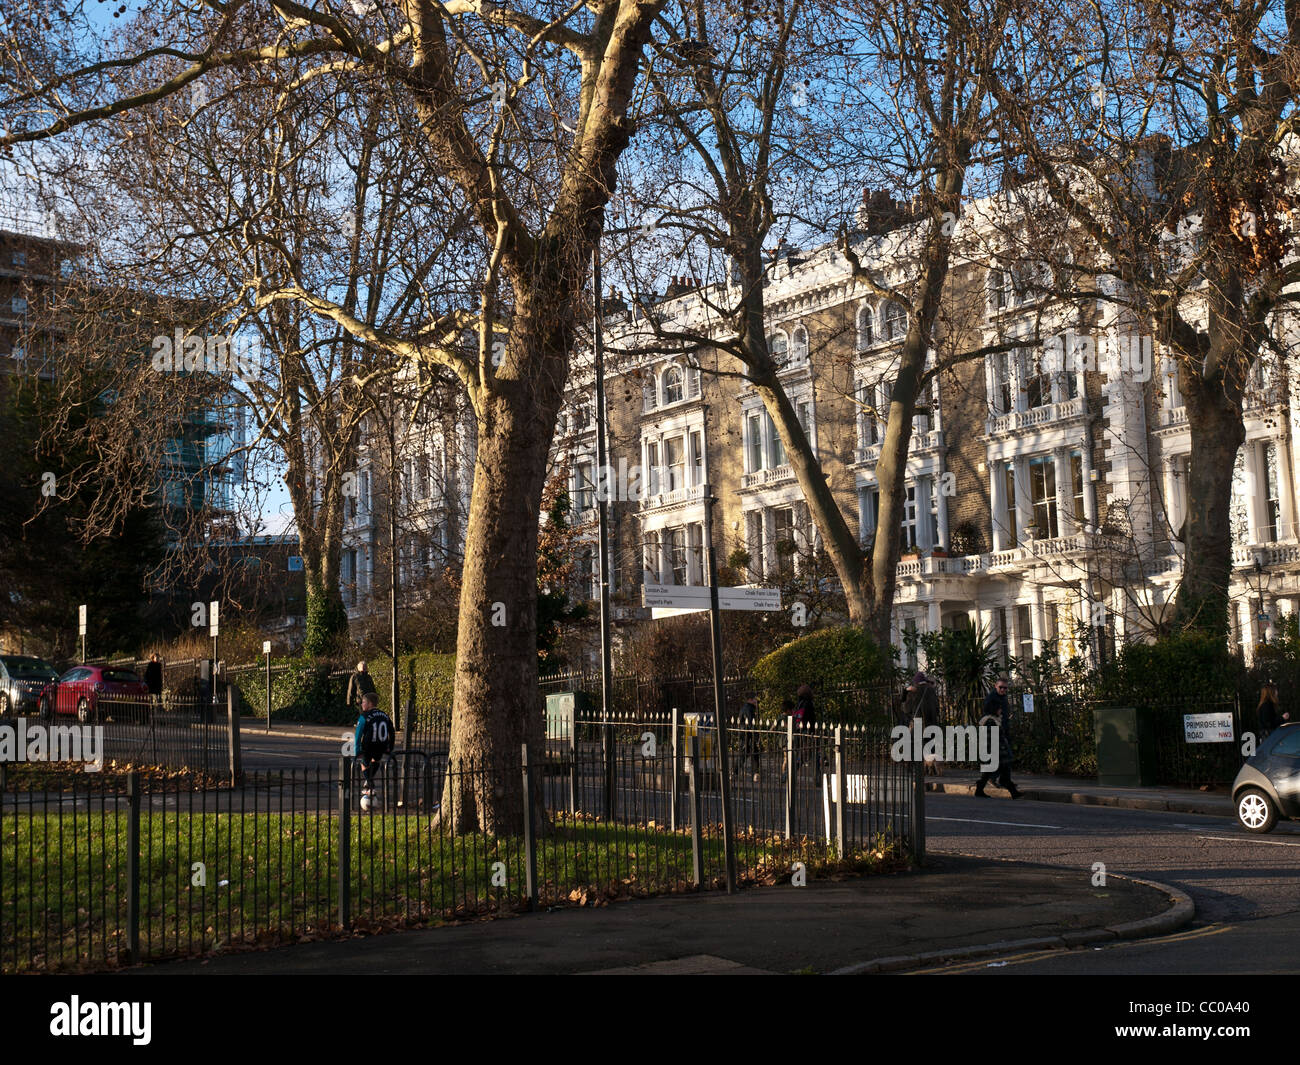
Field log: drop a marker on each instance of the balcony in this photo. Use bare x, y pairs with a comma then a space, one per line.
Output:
1036, 417
920, 444
673, 497
767, 478
1267, 554
1060, 549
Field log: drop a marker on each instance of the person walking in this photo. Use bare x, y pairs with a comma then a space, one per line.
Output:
995, 716
923, 702
1270, 713
373, 739
748, 721
361, 684
153, 680
805, 717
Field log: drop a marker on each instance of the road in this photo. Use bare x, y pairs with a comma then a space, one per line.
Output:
1246, 887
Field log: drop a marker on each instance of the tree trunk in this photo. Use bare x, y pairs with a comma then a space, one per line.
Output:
1217, 431
496, 695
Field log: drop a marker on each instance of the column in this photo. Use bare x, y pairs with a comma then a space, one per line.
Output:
934, 617
1254, 489
1064, 492
1039, 616
1286, 491
1169, 485
937, 486
1089, 488
1024, 506
998, 503
1245, 613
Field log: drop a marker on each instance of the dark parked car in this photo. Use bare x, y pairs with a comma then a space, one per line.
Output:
22, 679
1268, 786
92, 692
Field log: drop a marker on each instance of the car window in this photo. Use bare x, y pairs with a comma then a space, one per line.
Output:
28, 668
121, 676
70, 676
1288, 742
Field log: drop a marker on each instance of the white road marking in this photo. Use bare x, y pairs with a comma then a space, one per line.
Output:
1248, 839
976, 821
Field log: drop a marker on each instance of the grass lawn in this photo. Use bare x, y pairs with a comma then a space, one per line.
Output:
210, 881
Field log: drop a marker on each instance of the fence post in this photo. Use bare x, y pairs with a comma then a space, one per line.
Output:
530, 839
676, 768
789, 775
133, 865
232, 728
607, 737
841, 795
918, 811
697, 814
345, 845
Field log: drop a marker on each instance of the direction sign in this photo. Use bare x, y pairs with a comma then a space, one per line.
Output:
214, 627
81, 620
687, 597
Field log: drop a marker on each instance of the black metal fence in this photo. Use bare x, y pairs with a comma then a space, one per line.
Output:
172, 732
114, 869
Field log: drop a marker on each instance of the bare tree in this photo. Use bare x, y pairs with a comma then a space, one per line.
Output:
1164, 136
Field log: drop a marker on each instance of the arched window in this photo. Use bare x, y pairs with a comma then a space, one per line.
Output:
895, 321
778, 346
672, 385
799, 347
866, 328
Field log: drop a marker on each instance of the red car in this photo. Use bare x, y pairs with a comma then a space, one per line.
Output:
92, 692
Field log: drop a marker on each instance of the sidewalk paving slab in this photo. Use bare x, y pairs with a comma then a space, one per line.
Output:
957, 906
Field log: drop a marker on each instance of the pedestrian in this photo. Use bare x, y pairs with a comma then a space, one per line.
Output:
805, 717
360, 684
996, 711
153, 679
923, 702
372, 740
1270, 715
748, 720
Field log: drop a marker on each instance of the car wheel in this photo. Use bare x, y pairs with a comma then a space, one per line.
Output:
4, 704
1255, 811
83, 710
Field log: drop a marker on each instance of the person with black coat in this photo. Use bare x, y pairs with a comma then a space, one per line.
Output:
996, 712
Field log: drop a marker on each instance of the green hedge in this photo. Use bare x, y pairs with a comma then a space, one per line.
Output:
431, 677
1188, 666
305, 691
841, 657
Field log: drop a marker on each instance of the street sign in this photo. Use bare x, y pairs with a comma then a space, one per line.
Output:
1208, 728
690, 597
81, 620
266, 647
214, 629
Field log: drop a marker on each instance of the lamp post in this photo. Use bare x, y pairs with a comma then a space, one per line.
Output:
1259, 584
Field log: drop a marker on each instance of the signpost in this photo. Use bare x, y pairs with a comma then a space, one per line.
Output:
214, 630
81, 628
685, 598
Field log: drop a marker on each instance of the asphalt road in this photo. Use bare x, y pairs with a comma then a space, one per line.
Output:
1246, 887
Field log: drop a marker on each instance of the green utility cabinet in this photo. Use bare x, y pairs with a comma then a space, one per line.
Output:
1126, 748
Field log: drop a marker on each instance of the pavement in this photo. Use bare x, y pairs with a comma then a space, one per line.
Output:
955, 908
